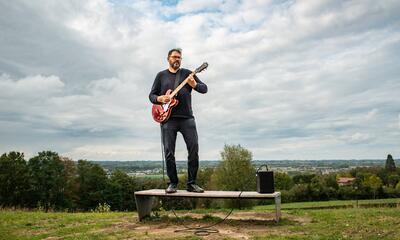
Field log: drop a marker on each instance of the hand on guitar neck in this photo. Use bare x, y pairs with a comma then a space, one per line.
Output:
191, 81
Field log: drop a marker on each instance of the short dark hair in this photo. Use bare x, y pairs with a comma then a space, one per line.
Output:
179, 50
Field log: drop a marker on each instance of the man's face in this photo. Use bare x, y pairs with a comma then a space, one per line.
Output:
174, 60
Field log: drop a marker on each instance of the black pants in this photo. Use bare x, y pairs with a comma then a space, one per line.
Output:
187, 126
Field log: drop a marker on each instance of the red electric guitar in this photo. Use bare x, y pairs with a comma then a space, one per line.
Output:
161, 112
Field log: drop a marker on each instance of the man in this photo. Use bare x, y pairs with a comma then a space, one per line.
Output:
181, 119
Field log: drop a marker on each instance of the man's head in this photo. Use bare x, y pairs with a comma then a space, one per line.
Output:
174, 58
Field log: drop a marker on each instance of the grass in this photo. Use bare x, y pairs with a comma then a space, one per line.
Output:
40, 225
355, 223
332, 204
302, 222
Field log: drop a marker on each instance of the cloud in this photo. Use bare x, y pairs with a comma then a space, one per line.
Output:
30, 87
189, 6
356, 138
37, 42
107, 151
288, 80
399, 120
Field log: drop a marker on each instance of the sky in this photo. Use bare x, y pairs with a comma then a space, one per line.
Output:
286, 79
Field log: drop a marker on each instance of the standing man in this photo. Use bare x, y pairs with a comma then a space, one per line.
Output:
181, 119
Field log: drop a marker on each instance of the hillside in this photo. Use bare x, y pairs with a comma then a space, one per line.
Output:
298, 223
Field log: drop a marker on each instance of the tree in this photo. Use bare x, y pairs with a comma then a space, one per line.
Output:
393, 179
373, 182
120, 191
235, 171
46, 173
330, 181
303, 178
92, 180
390, 165
13, 179
204, 177
71, 193
282, 181
300, 193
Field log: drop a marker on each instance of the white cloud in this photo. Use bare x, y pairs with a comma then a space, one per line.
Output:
306, 79
30, 86
399, 120
356, 138
187, 6
109, 151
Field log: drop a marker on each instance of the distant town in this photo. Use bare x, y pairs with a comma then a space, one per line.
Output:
148, 168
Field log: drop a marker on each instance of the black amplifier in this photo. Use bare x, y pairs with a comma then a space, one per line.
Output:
265, 180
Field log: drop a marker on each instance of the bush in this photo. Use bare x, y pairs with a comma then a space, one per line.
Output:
102, 208
235, 173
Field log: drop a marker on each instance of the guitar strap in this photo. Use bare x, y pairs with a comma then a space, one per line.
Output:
177, 79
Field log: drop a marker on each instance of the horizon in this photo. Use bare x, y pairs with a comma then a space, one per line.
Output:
396, 159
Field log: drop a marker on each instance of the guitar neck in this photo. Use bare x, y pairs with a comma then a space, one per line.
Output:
180, 86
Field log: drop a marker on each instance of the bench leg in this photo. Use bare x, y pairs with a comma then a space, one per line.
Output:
144, 205
277, 208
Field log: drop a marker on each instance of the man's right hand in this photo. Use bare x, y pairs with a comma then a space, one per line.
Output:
164, 99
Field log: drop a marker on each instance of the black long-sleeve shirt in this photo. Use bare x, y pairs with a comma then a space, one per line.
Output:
166, 80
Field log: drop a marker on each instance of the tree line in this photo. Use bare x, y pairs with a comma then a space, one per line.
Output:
48, 181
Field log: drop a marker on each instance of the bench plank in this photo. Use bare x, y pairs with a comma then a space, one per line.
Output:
207, 194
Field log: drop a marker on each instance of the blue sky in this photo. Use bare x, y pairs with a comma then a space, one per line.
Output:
287, 79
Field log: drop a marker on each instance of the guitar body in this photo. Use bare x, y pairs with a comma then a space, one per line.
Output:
162, 112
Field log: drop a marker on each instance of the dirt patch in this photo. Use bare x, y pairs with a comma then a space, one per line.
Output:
239, 225
222, 231
262, 218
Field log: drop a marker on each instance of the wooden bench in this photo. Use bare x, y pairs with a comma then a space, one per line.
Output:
144, 199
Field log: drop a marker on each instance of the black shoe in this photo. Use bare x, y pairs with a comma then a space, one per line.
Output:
172, 187
194, 188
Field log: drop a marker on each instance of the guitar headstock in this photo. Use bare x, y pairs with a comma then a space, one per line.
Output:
201, 68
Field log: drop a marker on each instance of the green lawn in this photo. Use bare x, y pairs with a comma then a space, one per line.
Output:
350, 223
297, 223
333, 204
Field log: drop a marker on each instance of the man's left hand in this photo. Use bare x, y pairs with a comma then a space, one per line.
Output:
191, 81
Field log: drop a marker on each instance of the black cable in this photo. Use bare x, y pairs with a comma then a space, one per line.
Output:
162, 153
202, 230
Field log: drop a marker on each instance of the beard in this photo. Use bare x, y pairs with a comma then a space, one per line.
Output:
175, 65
